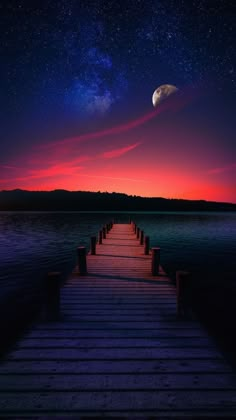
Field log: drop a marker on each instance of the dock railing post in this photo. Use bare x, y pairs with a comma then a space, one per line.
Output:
146, 245
52, 296
155, 261
141, 237
93, 241
104, 233
100, 237
82, 263
182, 293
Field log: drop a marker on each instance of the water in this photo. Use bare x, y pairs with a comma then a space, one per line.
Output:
33, 243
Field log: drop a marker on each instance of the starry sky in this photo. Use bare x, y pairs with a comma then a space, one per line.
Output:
77, 79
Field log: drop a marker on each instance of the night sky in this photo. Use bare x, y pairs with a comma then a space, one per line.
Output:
77, 79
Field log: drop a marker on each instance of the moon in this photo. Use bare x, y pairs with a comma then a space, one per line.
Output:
162, 92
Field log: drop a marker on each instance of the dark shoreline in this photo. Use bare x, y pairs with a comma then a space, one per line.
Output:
61, 200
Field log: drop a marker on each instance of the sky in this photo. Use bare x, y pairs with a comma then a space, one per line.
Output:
76, 112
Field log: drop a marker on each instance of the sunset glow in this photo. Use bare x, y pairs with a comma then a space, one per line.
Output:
146, 157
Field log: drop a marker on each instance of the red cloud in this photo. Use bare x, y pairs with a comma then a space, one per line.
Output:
222, 169
119, 152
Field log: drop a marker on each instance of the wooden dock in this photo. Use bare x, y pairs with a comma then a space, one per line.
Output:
118, 348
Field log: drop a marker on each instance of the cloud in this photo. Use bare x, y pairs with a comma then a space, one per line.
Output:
119, 152
114, 177
69, 168
221, 169
8, 167
109, 131
54, 171
44, 167
173, 105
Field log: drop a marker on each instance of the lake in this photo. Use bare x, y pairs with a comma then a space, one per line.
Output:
33, 243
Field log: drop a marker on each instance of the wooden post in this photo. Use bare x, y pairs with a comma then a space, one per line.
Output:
155, 261
138, 231
182, 290
93, 241
141, 237
52, 298
104, 232
100, 237
82, 263
146, 245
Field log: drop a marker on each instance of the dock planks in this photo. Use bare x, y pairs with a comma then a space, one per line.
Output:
118, 348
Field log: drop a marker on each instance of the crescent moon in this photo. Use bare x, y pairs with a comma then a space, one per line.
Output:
162, 92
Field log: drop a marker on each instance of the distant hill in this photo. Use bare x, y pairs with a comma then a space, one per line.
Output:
97, 201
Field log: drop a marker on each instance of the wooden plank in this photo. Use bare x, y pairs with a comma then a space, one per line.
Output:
121, 312
149, 342
129, 293
151, 334
194, 366
81, 306
138, 325
92, 401
129, 382
114, 353
129, 290
119, 318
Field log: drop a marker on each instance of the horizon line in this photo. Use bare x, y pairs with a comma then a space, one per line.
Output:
114, 192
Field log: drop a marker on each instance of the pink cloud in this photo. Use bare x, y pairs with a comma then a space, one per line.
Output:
54, 171
43, 166
221, 169
8, 167
172, 104
63, 169
110, 131
114, 177
119, 152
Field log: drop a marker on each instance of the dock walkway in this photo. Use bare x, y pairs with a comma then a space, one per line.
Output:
118, 348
